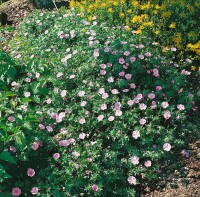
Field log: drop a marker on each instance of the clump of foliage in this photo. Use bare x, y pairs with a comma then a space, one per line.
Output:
88, 100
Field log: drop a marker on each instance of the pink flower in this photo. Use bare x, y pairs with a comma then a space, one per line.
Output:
102, 72
132, 85
139, 96
151, 95
95, 187
125, 90
110, 79
141, 56
103, 66
41, 126
148, 54
126, 53
76, 154
59, 74
114, 91
82, 121
164, 105
100, 117
11, 118
130, 102
16, 191
82, 136
191, 95
142, 106
181, 107
83, 103
155, 72
185, 153
167, 147
104, 95
132, 59
132, 180
109, 64
121, 74
147, 163
13, 149
56, 156
158, 88
107, 49
34, 190
103, 106
117, 106
81, 93
27, 94
30, 172
63, 93
48, 101
101, 90
135, 160
167, 115
35, 146
128, 76
111, 118
121, 60
118, 113
142, 121
136, 134
114, 52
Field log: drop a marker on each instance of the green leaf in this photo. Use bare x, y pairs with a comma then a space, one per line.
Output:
20, 140
7, 157
12, 72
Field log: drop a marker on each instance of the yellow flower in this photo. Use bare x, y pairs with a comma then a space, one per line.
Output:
157, 6
172, 25
110, 10
139, 31
165, 49
156, 32
121, 14
166, 14
115, 3
155, 11
90, 18
129, 11
193, 68
103, 4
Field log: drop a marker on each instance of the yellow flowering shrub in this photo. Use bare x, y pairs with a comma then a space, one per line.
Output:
172, 23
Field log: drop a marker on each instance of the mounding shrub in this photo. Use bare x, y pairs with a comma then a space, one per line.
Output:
103, 107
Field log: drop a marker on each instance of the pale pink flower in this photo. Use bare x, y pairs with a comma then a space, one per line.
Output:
72, 76
126, 53
59, 74
128, 76
181, 107
142, 106
132, 59
147, 163
104, 95
82, 121
151, 95
83, 103
139, 96
167, 115
103, 106
95, 187
191, 95
173, 49
110, 79
136, 134
125, 90
107, 49
167, 147
118, 113
16, 191
114, 52
101, 90
155, 72
164, 105
63, 93
49, 128
148, 54
121, 60
34, 190
141, 56
114, 91
11, 118
13, 149
102, 72
100, 117
142, 121
82, 136
30, 172
48, 101
27, 94
103, 66
35, 146
132, 180
130, 102
81, 93
158, 88
141, 46
75, 153
135, 160
121, 74
109, 64
111, 118
132, 85
117, 106
56, 156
